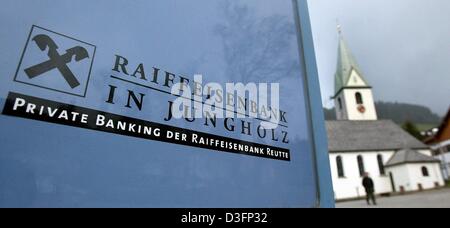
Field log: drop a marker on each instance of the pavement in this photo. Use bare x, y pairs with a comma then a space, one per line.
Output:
428, 199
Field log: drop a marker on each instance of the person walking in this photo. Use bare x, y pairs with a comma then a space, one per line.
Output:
367, 182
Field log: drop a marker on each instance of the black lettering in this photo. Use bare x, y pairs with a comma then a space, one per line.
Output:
219, 96
274, 138
112, 90
188, 114
283, 117
184, 82
259, 132
17, 105
229, 127
285, 136
136, 101
155, 75
242, 103
246, 128
169, 78
211, 118
121, 62
198, 90
140, 70
169, 116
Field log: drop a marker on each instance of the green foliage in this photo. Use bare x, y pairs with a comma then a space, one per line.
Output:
425, 127
399, 113
412, 129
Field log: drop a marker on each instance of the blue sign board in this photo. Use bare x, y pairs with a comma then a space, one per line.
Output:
98, 99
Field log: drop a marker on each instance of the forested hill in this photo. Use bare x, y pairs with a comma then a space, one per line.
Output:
399, 113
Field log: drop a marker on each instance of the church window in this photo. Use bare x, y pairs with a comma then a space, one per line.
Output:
425, 172
361, 167
340, 103
381, 164
340, 166
359, 99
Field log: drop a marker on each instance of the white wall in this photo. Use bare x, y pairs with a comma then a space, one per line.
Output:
407, 176
410, 175
350, 186
445, 162
355, 80
352, 108
415, 171
401, 177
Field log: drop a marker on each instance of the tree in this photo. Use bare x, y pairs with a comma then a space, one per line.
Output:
412, 129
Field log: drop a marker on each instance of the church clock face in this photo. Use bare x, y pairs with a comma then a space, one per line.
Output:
361, 109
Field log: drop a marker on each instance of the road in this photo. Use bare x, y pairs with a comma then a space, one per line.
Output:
429, 199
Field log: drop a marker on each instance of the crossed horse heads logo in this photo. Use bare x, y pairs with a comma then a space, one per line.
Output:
56, 60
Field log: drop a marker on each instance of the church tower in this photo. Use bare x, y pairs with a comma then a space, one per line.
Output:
353, 95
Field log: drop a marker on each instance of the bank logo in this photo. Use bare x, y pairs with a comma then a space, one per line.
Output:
56, 62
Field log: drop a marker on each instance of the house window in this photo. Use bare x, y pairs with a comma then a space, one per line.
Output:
362, 170
381, 164
340, 103
359, 99
425, 172
340, 166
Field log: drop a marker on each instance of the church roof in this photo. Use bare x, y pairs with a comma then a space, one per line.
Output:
407, 156
376, 135
346, 63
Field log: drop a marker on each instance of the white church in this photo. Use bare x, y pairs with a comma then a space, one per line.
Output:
358, 142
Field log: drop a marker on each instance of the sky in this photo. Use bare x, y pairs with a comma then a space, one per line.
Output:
402, 47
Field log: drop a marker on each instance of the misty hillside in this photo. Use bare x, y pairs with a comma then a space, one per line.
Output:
399, 113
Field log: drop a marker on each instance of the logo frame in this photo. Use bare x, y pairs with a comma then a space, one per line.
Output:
33, 27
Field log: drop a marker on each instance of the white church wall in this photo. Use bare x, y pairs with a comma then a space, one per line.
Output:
350, 186
352, 107
416, 176
409, 176
355, 80
401, 178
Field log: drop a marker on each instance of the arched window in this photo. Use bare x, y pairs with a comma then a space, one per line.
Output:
361, 167
340, 166
381, 164
340, 103
359, 99
425, 172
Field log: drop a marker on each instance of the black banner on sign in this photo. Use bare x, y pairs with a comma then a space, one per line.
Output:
29, 107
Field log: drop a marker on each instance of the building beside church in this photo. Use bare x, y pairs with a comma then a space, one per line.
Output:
360, 143
440, 145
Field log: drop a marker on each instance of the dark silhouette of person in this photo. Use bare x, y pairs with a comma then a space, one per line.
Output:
367, 182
